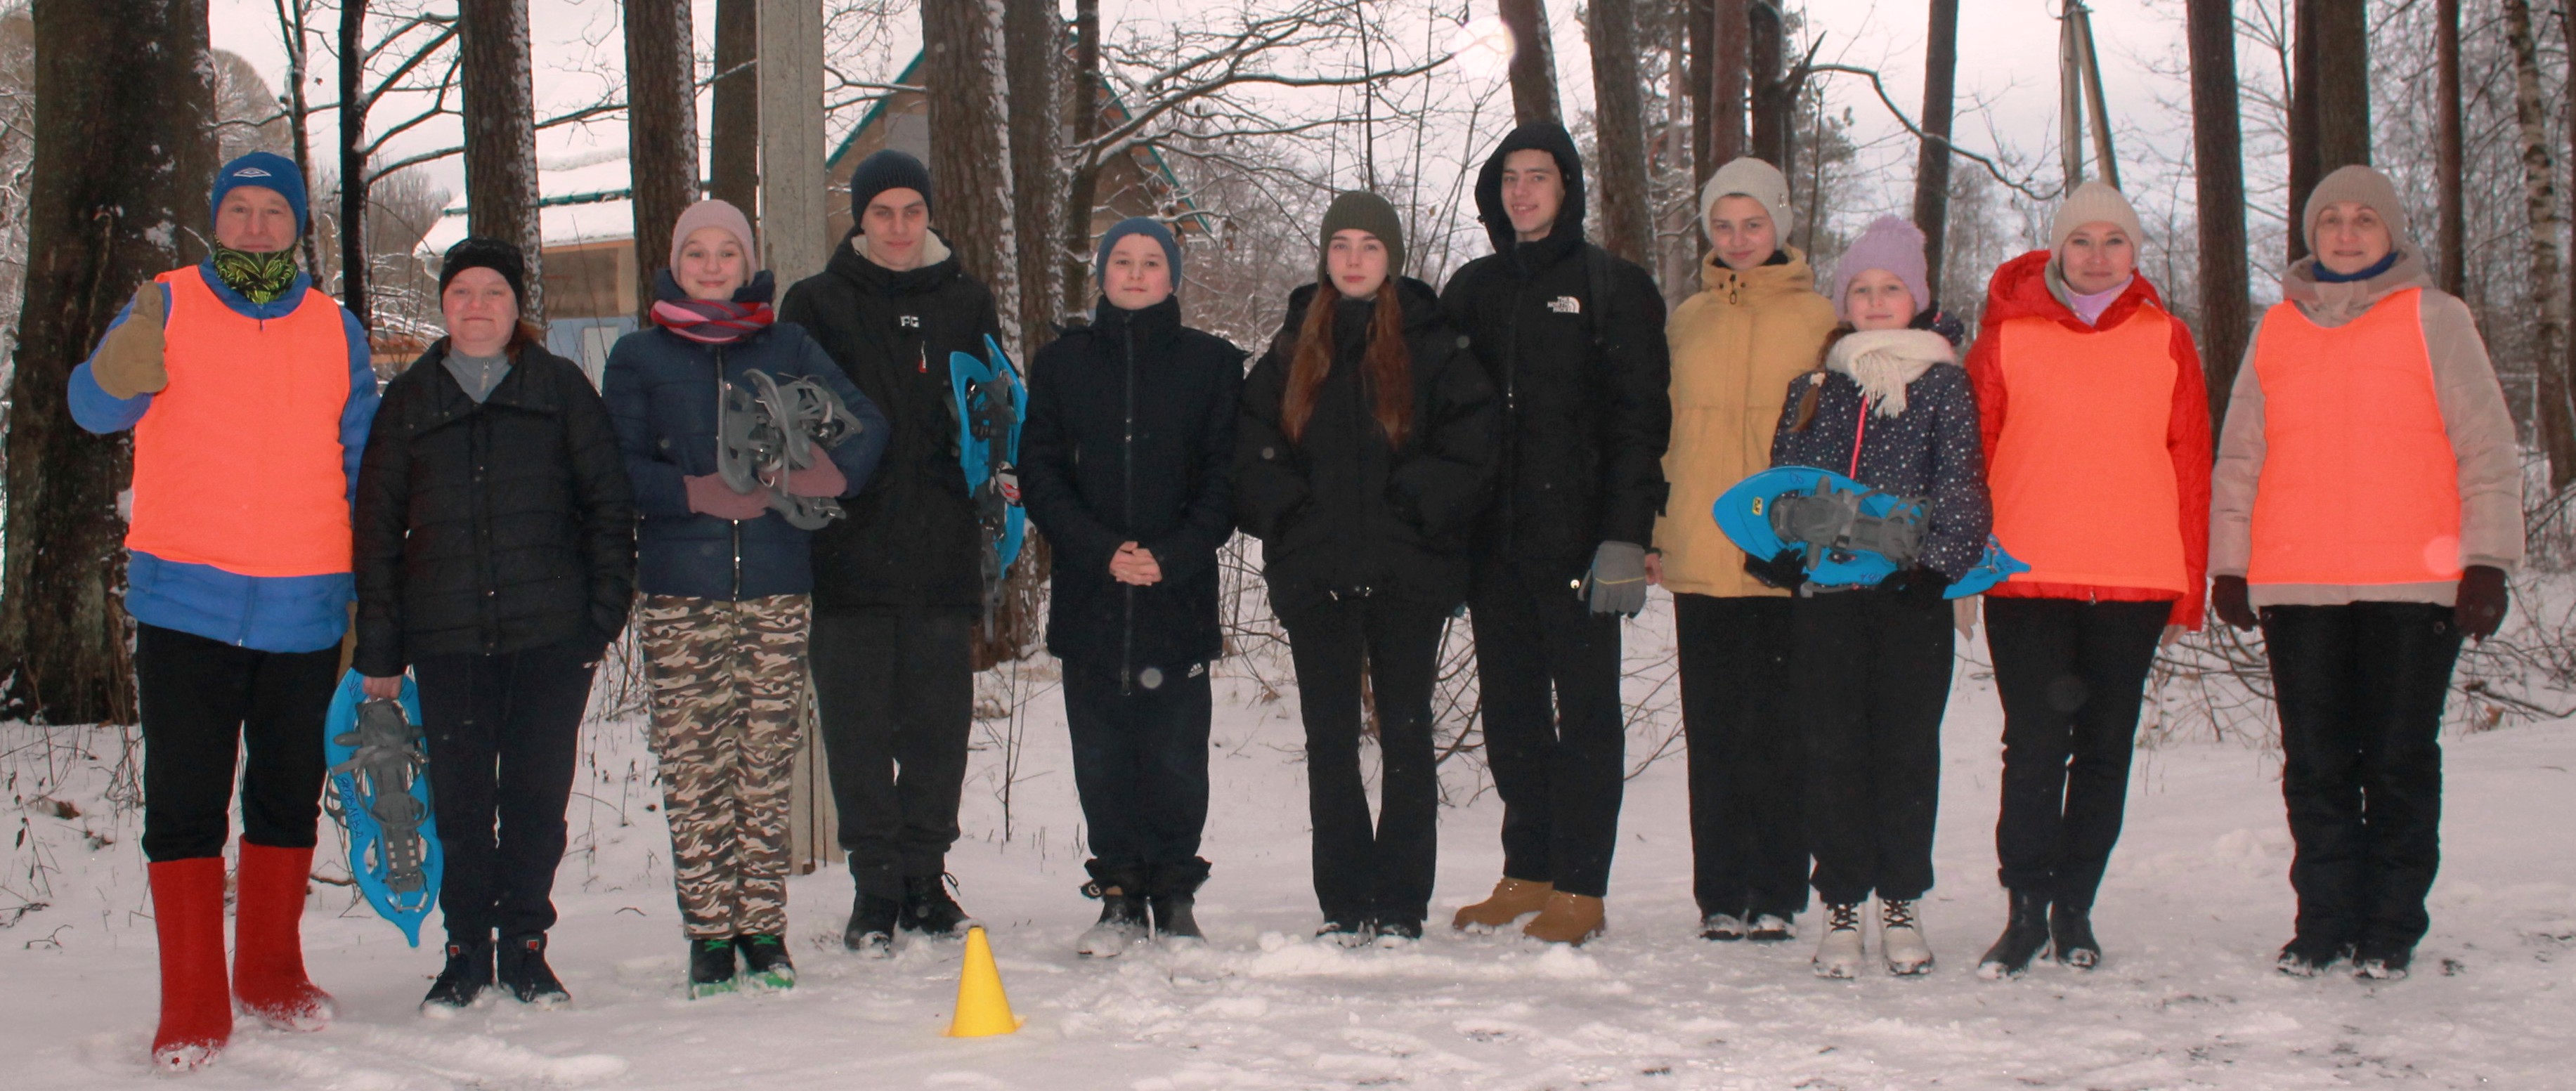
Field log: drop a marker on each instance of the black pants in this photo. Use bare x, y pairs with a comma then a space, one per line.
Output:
895, 691
1555, 735
504, 731
2360, 689
204, 701
1748, 765
1869, 677
1140, 762
1362, 873
2072, 675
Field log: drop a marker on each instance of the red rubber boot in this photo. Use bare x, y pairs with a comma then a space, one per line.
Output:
196, 1010
268, 940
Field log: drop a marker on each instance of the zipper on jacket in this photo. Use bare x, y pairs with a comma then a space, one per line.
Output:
1127, 500
737, 523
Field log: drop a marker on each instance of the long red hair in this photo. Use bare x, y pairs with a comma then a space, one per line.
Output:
1386, 366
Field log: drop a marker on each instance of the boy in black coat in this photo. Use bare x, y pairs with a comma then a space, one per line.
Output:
1125, 466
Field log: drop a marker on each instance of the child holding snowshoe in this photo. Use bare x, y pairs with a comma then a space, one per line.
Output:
2097, 432
2367, 506
1135, 527
1368, 443
726, 581
1755, 323
1870, 665
496, 560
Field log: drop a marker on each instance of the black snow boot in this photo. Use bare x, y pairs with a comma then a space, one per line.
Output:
468, 972
711, 966
2382, 962
521, 966
872, 925
2307, 957
2025, 936
1174, 893
1121, 890
929, 910
765, 964
2070, 930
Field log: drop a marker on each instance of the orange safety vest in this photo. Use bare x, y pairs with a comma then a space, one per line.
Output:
2083, 485
2359, 484
238, 463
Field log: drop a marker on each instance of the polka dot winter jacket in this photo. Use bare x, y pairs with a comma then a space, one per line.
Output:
1895, 412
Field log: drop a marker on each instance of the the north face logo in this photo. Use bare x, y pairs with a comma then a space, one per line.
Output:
250, 172
1565, 304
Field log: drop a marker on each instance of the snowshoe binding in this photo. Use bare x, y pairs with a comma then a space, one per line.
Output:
767, 428
989, 398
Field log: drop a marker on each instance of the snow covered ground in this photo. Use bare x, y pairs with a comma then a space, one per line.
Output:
2196, 903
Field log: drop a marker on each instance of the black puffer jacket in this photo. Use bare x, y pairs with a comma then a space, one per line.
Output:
1573, 339
1130, 437
1340, 513
1932, 451
910, 537
491, 528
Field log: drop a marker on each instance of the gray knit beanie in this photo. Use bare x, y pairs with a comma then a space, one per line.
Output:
2359, 183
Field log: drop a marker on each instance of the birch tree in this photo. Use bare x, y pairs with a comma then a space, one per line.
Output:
2557, 417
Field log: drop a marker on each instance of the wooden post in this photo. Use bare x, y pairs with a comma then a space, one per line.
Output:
793, 246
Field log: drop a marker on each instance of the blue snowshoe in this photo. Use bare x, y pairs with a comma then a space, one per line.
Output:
990, 406
1853, 535
379, 793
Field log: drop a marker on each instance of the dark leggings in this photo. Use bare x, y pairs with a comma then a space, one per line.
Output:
2072, 675
504, 731
1364, 873
205, 701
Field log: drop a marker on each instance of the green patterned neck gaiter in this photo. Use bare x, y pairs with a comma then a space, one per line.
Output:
258, 277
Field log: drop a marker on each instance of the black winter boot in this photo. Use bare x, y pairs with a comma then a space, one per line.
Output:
521, 966
929, 910
468, 972
872, 924
711, 966
1121, 890
1174, 893
2025, 936
2307, 957
2070, 930
765, 964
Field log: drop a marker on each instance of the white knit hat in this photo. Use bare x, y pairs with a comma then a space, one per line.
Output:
1750, 177
2095, 202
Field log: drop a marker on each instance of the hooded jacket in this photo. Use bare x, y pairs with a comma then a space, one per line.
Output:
1573, 340
1736, 343
1338, 512
910, 539
2025, 300
1130, 437
1928, 449
2473, 415
664, 393
491, 527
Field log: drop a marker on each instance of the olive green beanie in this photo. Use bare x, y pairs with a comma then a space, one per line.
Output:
1366, 212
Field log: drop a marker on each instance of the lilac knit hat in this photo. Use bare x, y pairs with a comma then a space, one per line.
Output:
1892, 244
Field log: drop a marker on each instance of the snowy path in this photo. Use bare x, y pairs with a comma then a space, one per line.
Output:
2194, 907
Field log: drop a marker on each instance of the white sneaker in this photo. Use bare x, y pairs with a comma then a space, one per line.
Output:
1839, 954
1900, 939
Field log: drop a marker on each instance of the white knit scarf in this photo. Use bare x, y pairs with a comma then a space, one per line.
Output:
1883, 361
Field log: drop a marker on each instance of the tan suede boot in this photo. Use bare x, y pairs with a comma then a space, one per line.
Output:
1568, 918
1512, 899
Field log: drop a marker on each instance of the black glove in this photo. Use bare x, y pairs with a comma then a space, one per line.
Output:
2481, 606
1917, 586
1787, 571
2230, 601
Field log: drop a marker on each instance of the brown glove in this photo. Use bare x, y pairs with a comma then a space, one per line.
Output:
129, 359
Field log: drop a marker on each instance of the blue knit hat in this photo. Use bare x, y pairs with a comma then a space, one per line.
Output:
1138, 225
267, 170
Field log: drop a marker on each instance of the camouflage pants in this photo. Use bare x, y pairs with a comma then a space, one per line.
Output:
728, 679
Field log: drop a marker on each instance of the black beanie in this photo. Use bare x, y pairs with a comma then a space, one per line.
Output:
478, 252
888, 169
1367, 212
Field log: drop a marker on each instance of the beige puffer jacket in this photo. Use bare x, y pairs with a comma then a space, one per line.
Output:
1736, 344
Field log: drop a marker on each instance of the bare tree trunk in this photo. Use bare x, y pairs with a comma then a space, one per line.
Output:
1084, 189
1775, 103
2303, 120
1619, 125
1533, 67
353, 159
1932, 163
2451, 212
120, 158
1717, 32
661, 131
2218, 162
1037, 181
2329, 101
1699, 82
501, 134
733, 120
2540, 203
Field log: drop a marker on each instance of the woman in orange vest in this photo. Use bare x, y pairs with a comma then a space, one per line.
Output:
250, 396
2367, 504
2097, 444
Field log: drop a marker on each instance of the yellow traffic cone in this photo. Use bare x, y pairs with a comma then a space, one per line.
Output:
982, 1009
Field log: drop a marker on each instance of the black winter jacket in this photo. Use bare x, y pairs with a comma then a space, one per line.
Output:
1130, 437
1573, 339
910, 539
1933, 451
491, 528
664, 392
1340, 513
